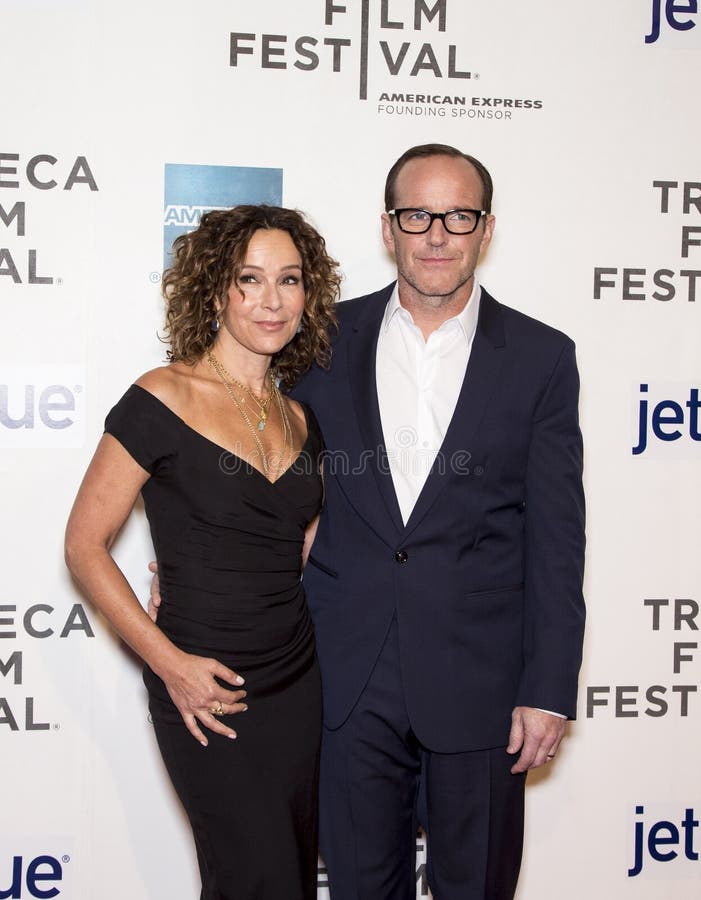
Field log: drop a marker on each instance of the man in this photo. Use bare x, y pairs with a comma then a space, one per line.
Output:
445, 580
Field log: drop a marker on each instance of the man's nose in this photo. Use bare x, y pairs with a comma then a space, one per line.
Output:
437, 233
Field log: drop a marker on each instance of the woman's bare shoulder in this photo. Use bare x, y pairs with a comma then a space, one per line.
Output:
297, 410
169, 384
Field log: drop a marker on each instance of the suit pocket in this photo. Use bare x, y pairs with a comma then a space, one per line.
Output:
312, 561
494, 618
500, 590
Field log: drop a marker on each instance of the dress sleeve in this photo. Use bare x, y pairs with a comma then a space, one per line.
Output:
140, 423
315, 437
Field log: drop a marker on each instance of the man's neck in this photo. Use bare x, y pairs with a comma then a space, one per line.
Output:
429, 313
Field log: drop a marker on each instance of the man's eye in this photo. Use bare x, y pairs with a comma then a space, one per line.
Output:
418, 216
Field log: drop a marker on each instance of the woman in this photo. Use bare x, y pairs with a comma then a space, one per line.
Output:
228, 468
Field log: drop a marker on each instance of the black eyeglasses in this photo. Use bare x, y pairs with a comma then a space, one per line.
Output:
455, 221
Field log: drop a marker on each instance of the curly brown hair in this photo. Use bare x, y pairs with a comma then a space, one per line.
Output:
209, 259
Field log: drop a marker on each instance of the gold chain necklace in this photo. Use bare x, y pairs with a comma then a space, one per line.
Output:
287, 444
283, 463
261, 404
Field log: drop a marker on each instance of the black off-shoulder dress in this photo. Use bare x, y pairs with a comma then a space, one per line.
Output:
228, 544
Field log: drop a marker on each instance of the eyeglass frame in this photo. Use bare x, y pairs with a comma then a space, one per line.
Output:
434, 215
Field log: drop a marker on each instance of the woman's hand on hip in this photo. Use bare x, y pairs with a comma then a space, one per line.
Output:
199, 697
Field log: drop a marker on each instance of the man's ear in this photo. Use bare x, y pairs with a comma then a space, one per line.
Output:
387, 233
488, 232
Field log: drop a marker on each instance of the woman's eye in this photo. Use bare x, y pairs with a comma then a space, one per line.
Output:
291, 279
247, 279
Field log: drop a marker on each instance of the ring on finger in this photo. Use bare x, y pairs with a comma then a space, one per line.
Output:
217, 710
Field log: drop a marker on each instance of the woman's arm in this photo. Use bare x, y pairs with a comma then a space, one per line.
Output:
105, 499
309, 536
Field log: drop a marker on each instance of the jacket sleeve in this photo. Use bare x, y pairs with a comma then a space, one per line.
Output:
554, 613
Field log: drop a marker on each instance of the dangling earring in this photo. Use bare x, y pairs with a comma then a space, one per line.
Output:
215, 324
299, 327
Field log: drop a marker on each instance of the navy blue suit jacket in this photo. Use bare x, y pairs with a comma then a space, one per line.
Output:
486, 577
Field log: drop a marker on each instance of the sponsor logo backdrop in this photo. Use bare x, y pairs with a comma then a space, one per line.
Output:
139, 117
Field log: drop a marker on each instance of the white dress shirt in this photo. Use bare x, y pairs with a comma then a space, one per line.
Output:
418, 383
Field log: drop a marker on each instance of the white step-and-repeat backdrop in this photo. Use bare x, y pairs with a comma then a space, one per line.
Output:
119, 123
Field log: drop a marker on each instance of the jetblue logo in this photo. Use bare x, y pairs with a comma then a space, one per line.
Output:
670, 839
21, 877
42, 406
192, 190
677, 15
667, 421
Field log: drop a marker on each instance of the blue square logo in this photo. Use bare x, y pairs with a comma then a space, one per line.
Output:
193, 190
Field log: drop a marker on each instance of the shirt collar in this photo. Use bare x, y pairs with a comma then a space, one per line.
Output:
466, 318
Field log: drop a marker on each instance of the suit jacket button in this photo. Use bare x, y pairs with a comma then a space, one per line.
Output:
401, 556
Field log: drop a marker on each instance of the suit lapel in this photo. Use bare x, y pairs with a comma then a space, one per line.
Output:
362, 374
479, 384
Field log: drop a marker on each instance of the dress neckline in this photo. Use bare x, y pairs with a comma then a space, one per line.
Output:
222, 449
